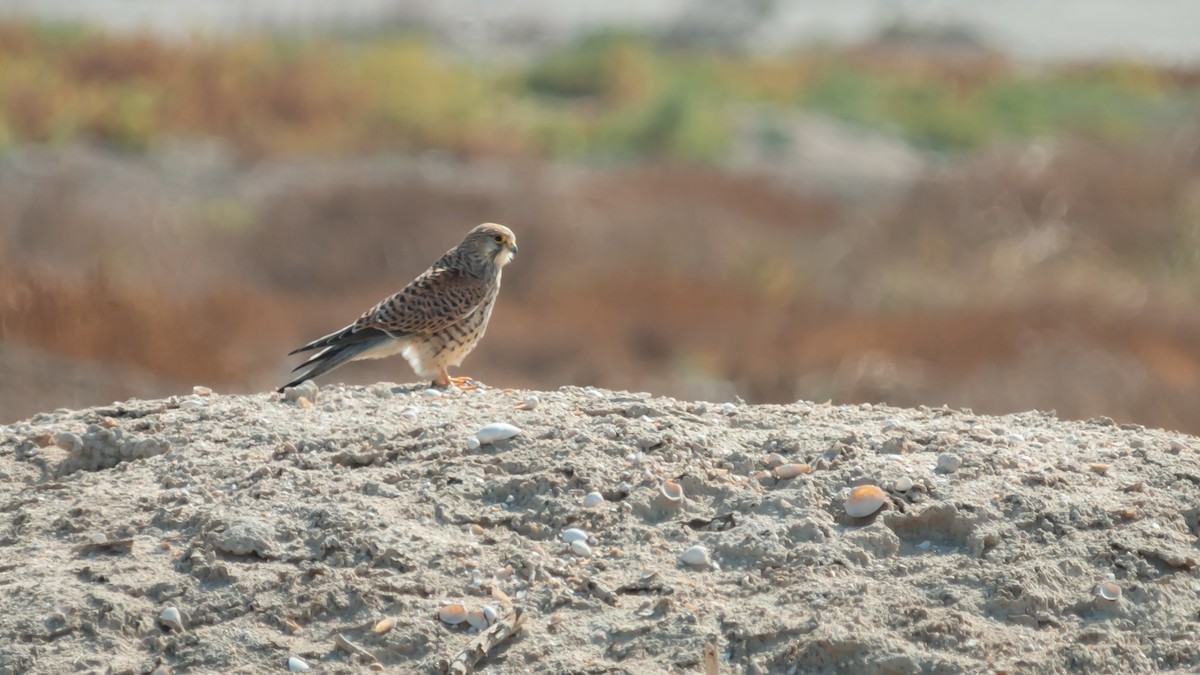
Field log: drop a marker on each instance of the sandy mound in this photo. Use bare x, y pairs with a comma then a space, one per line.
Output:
236, 533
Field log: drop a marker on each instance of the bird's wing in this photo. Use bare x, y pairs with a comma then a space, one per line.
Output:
434, 301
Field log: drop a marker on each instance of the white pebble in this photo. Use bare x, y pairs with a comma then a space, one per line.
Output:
431, 393
497, 431
728, 407
592, 499
904, 484
473, 443
530, 402
581, 548
191, 404
573, 534
696, 555
99, 538
297, 664
489, 613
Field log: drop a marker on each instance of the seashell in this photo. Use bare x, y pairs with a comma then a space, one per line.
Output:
99, 538
489, 613
171, 617
297, 664
453, 614
191, 404
501, 595
477, 619
202, 390
473, 443
670, 494
384, 625
1101, 469
592, 499
696, 555
787, 471
775, 459
581, 548
572, 534
864, 500
1109, 590
497, 431
904, 484
529, 403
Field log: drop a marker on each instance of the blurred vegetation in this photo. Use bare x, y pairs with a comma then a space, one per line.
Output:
608, 97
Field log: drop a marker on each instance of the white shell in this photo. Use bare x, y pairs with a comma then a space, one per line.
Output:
431, 393
904, 484
581, 548
497, 431
489, 613
99, 537
1109, 590
171, 615
473, 443
592, 499
201, 390
477, 619
453, 614
297, 664
671, 493
572, 534
775, 459
786, 471
696, 555
864, 500
529, 403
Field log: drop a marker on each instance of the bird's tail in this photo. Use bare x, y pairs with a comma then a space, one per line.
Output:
331, 357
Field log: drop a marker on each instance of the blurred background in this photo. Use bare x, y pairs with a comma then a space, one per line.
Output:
986, 205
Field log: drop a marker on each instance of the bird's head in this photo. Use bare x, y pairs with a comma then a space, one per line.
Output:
497, 243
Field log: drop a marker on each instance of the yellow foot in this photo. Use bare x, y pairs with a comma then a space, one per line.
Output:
462, 383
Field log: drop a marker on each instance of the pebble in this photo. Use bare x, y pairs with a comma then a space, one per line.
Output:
948, 463
200, 390
431, 393
904, 484
573, 534
696, 555
529, 402
592, 499
489, 613
786, 471
581, 548
99, 538
297, 664
497, 431
473, 443
728, 407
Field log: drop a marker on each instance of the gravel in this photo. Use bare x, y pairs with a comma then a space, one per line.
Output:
254, 533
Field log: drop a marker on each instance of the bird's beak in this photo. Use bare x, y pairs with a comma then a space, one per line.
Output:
513, 248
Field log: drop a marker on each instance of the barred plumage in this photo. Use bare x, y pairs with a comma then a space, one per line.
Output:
434, 322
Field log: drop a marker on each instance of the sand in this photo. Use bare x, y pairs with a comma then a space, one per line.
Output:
238, 534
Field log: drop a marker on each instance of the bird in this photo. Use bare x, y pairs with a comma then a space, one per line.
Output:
434, 321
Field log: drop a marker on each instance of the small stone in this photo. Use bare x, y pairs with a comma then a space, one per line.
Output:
99, 537
948, 463
497, 431
696, 556
573, 534
296, 664
529, 402
592, 499
581, 548
306, 389
201, 390
904, 484
431, 393
473, 443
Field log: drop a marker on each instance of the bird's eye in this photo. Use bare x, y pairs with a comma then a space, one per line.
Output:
499, 238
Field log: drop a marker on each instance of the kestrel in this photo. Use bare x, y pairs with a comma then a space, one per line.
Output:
434, 322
